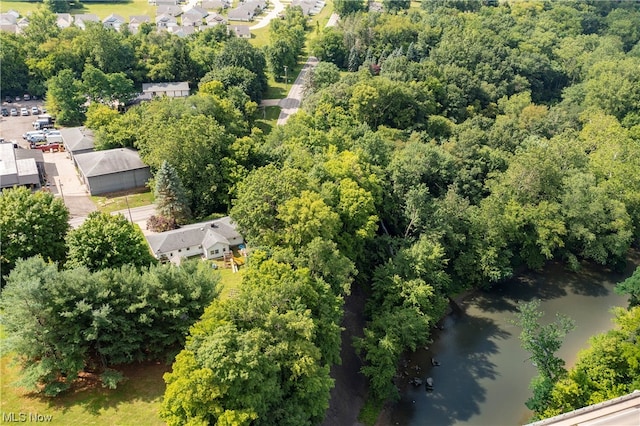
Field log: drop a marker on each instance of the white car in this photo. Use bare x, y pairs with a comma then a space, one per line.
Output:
24, 111
34, 110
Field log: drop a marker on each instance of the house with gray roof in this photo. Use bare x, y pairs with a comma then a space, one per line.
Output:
136, 20
113, 21
191, 20
247, 11
17, 169
64, 20
216, 4
77, 140
82, 19
165, 21
178, 89
169, 10
207, 240
112, 170
215, 19
197, 10
241, 31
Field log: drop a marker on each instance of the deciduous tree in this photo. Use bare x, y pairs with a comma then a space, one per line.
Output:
107, 241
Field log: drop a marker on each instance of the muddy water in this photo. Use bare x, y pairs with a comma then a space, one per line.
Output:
483, 376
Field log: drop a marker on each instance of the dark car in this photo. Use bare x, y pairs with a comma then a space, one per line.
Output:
8, 99
5, 112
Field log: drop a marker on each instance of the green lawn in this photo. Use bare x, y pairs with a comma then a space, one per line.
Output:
268, 118
115, 202
124, 8
136, 401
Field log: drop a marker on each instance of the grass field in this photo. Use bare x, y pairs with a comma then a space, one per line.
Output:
124, 8
136, 401
115, 202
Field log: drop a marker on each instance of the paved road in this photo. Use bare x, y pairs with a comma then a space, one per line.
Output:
291, 103
137, 215
277, 8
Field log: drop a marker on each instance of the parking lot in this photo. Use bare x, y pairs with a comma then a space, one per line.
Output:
61, 174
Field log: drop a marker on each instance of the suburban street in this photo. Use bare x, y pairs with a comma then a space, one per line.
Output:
291, 103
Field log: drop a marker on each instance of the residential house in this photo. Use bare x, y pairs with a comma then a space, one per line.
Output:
81, 19
22, 24
191, 20
305, 5
135, 21
77, 140
64, 20
112, 170
182, 31
207, 240
240, 31
18, 167
169, 10
214, 19
197, 10
172, 90
247, 11
165, 21
164, 2
113, 21
216, 4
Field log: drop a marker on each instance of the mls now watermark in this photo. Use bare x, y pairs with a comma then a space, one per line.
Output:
20, 417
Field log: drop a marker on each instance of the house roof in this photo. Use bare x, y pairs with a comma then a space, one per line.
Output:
203, 233
624, 410
110, 161
8, 19
246, 11
196, 10
166, 18
216, 4
215, 18
113, 18
137, 19
17, 169
241, 30
77, 138
64, 20
169, 10
86, 17
164, 87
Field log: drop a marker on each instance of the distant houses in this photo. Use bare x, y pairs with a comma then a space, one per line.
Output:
247, 11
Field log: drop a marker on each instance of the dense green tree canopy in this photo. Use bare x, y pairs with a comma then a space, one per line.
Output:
31, 223
107, 241
59, 323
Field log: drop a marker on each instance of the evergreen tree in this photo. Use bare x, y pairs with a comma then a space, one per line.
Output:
171, 198
354, 60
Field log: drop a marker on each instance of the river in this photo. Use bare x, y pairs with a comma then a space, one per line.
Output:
483, 376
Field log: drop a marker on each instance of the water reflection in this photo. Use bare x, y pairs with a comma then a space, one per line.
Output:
484, 374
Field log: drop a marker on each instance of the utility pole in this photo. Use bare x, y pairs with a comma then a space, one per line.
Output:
126, 198
60, 188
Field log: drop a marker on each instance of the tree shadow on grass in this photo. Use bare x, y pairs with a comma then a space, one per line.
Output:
142, 382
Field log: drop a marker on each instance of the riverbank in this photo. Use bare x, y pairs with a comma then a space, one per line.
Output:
484, 376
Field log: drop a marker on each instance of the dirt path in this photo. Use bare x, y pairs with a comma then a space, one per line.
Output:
350, 390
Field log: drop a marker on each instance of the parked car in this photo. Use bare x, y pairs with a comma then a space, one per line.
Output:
37, 138
5, 112
32, 133
18, 98
26, 97
14, 112
34, 110
8, 99
24, 111
43, 110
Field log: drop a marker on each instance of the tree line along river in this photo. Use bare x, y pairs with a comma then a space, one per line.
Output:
483, 375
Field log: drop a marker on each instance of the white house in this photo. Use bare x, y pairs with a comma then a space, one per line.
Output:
81, 19
113, 21
241, 31
207, 240
172, 90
